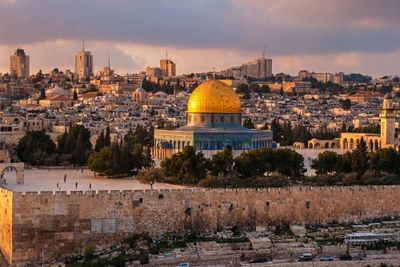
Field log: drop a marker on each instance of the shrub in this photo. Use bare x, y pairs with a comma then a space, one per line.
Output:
88, 253
350, 178
230, 181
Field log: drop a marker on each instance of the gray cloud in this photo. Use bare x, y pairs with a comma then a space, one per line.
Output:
286, 27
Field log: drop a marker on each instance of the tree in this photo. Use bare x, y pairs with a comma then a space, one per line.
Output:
385, 160
75, 143
100, 161
187, 166
222, 162
289, 163
42, 94
243, 89
148, 161
35, 147
124, 158
346, 104
88, 253
254, 88
265, 89
248, 123
276, 130
359, 158
107, 138
287, 135
327, 162
92, 88
75, 95
100, 142
79, 155
346, 162
255, 163
151, 176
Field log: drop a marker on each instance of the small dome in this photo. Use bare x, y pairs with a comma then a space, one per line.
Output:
214, 97
140, 90
55, 91
161, 93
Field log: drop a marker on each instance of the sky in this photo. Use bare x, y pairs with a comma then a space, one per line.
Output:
360, 36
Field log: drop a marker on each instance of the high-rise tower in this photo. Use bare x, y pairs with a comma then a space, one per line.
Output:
83, 64
19, 64
168, 67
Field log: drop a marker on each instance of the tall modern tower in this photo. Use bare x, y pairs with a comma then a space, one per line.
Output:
259, 68
19, 64
83, 64
168, 67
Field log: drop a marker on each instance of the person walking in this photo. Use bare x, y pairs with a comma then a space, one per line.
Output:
65, 178
90, 186
76, 185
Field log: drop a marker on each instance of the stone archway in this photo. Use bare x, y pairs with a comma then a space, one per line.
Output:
18, 167
370, 145
345, 144
351, 146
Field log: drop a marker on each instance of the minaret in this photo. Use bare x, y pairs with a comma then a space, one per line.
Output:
387, 115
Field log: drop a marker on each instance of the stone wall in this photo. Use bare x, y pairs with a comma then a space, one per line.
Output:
6, 223
48, 225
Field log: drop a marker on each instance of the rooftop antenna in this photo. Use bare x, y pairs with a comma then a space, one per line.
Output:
214, 73
263, 52
109, 61
83, 45
166, 54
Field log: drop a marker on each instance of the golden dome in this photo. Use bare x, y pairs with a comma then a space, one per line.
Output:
213, 97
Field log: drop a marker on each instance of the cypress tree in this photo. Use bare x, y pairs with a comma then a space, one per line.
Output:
78, 155
75, 95
107, 138
42, 94
100, 142
359, 159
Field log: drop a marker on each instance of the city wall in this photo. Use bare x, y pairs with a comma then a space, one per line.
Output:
6, 223
47, 225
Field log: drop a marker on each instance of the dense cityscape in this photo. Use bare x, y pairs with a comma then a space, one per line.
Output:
261, 161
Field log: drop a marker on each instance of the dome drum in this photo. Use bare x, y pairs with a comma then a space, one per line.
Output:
213, 119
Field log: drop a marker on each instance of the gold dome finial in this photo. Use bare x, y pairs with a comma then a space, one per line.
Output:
214, 96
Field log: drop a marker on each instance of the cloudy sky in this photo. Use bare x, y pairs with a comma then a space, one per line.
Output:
330, 35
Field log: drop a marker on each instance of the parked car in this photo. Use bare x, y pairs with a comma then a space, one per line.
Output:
259, 260
306, 257
345, 257
183, 264
326, 258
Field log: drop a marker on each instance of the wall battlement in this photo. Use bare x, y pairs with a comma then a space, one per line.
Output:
62, 222
215, 190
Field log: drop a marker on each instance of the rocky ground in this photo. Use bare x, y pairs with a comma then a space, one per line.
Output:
280, 246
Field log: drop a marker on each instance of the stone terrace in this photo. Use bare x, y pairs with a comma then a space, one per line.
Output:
44, 180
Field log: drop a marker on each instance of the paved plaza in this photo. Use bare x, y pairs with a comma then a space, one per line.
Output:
76, 180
